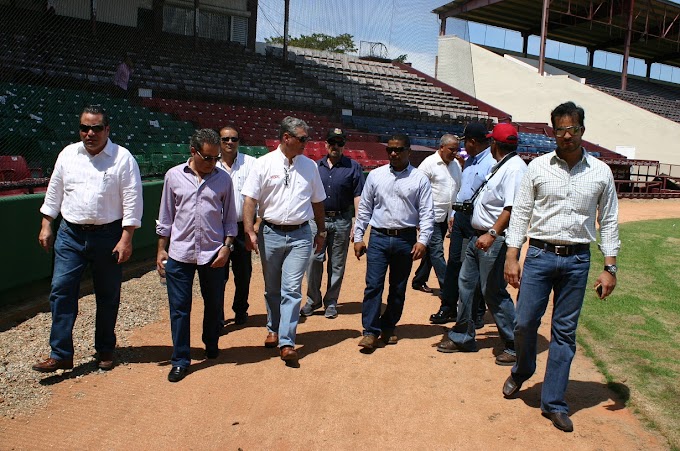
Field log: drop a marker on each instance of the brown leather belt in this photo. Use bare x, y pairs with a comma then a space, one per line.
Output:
560, 249
396, 232
93, 227
285, 228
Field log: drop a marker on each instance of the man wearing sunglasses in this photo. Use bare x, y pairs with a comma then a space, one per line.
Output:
97, 189
343, 181
286, 188
397, 203
197, 218
238, 165
561, 196
444, 174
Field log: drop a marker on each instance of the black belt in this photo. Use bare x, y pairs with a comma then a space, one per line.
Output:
332, 214
395, 232
484, 232
285, 228
560, 249
94, 227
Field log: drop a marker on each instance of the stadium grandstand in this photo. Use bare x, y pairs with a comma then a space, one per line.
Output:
196, 64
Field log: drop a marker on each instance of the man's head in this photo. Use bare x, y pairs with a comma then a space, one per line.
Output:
449, 145
399, 151
505, 140
293, 136
475, 138
568, 124
229, 139
205, 151
94, 129
335, 143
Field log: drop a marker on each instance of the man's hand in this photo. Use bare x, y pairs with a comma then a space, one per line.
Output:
318, 243
512, 272
484, 242
161, 256
222, 258
418, 251
124, 246
450, 227
359, 249
251, 242
607, 282
46, 237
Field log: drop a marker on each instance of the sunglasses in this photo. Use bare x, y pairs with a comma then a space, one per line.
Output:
574, 130
209, 158
302, 139
396, 149
226, 139
95, 128
336, 143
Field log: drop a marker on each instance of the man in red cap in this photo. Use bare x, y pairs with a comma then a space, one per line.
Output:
485, 253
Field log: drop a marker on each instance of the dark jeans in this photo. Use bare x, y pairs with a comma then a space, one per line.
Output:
180, 279
242, 266
393, 252
74, 249
434, 257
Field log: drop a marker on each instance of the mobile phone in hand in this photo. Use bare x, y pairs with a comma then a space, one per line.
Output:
598, 288
114, 256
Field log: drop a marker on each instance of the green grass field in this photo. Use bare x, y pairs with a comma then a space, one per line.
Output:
634, 335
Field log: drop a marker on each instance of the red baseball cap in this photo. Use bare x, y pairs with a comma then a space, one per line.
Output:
504, 133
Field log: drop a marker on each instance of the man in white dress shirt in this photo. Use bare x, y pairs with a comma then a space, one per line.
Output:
444, 174
238, 165
286, 188
97, 189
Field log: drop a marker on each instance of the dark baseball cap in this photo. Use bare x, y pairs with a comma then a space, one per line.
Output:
336, 134
475, 130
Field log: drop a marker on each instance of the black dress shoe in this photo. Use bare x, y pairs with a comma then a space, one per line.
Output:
424, 288
241, 319
177, 373
560, 420
443, 317
510, 387
212, 354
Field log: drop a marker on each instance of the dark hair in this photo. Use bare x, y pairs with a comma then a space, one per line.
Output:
204, 136
568, 109
231, 127
506, 148
97, 109
289, 124
401, 137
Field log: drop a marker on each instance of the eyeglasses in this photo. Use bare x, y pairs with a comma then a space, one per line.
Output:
396, 149
573, 130
302, 139
336, 143
452, 148
286, 178
95, 128
226, 139
209, 158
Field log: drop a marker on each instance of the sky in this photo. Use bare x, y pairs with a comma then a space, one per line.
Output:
409, 27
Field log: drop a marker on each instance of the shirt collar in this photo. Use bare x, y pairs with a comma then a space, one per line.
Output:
585, 158
108, 148
344, 161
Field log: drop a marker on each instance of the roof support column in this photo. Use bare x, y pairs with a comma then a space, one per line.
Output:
286, 16
591, 57
525, 43
649, 68
544, 35
197, 7
626, 52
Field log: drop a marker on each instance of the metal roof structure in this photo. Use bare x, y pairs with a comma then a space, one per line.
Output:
648, 29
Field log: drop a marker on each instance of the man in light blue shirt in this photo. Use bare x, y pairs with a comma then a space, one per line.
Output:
396, 201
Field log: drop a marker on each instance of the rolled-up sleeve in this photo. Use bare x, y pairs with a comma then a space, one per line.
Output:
55, 191
131, 194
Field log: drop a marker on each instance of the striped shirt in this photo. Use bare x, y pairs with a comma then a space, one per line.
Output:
95, 189
560, 206
396, 200
239, 173
197, 216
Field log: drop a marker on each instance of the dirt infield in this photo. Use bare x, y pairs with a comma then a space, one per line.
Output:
407, 396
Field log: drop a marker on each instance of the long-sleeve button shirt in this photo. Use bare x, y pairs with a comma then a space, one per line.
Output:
197, 216
396, 200
474, 173
445, 181
284, 192
560, 206
498, 194
239, 173
97, 189
342, 182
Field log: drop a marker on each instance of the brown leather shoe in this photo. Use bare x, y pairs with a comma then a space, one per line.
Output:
505, 359
288, 353
448, 346
368, 341
50, 365
105, 361
389, 338
272, 340
510, 387
560, 420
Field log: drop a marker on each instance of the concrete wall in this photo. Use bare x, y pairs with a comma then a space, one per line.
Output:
516, 87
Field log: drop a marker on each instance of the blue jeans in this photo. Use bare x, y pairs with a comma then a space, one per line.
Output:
74, 249
285, 257
242, 266
336, 246
393, 252
484, 271
567, 276
434, 258
180, 279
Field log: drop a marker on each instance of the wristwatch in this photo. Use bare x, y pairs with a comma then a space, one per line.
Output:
323, 234
229, 246
611, 269
493, 232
